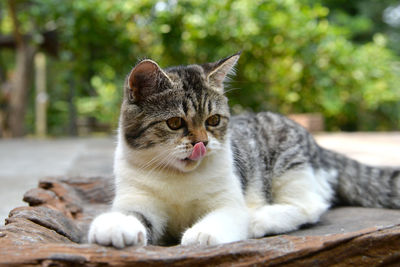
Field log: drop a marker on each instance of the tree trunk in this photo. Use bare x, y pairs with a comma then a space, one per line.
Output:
22, 77
20, 88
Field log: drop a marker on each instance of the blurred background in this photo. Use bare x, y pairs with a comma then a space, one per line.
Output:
63, 63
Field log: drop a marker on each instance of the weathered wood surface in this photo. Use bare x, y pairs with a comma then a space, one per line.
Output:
52, 232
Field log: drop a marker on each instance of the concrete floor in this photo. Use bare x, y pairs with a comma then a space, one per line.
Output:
24, 161
370, 148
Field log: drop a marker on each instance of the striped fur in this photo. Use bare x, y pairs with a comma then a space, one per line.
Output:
262, 174
286, 145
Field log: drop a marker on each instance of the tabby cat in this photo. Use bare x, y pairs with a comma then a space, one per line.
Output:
186, 171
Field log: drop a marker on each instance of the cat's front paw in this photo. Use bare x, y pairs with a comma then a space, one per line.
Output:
258, 227
118, 230
198, 236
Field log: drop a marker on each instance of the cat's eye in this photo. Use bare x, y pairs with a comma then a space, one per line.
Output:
213, 120
175, 123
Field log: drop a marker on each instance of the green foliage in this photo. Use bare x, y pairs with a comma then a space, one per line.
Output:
104, 105
295, 59
362, 19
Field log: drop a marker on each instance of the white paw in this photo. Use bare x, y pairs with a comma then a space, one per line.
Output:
198, 236
259, 226
118, 230
276, 219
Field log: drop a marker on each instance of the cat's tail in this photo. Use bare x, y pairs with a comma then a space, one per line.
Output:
362, 185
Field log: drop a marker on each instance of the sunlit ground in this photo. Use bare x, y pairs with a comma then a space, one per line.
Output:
24, 162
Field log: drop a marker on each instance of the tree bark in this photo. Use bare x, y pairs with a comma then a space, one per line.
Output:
53, 231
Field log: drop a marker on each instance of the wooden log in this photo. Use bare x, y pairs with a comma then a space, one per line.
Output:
52, 232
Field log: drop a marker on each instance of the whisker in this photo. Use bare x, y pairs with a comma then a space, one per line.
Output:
230, 89
162, 160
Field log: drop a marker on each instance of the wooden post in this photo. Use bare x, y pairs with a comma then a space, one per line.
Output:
41, 95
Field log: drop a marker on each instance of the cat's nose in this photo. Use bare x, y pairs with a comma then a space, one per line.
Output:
197, 136
204, 143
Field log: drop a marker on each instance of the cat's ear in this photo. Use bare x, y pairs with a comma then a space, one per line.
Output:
218, 72
145, 79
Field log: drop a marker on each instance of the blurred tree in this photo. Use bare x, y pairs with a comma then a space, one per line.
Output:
296, 56
94, 44
22, 76
294, 60
362, 19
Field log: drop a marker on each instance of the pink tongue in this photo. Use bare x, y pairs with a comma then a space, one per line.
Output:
199, 151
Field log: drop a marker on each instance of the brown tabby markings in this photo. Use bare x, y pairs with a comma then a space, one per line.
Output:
144, 123
262, 173
281, 144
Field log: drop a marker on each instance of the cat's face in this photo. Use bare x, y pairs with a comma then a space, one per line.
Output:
173, 119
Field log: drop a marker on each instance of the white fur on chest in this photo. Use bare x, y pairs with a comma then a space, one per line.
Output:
175, 199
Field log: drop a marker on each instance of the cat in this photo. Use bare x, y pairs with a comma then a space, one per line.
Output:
188, 172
